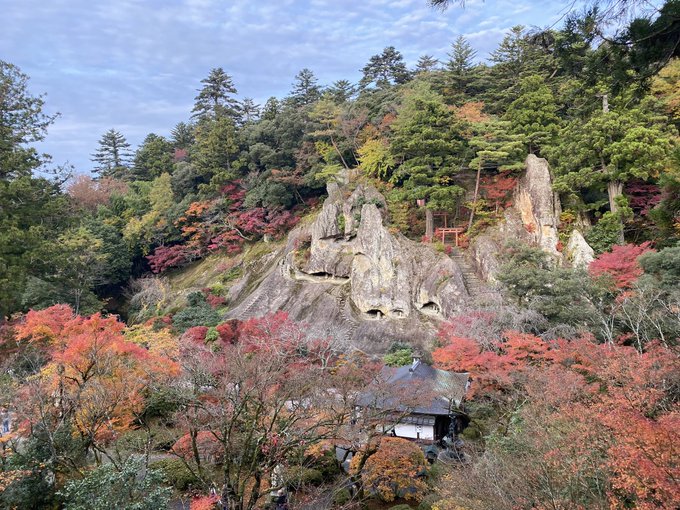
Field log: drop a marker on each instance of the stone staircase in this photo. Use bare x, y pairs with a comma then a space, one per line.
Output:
478, 289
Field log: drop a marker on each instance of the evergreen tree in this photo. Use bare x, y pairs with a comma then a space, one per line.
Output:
153, 158
426, 64
113, 156
270, 109
341, 91
427, 144
305, 89
250, 110
461, 57
215, 99
509, 59
494, 147
32, 209
385, 69
182, 136
459, 70
611, 148
215, 149
533, 115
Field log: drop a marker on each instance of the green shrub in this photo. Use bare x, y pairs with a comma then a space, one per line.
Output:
428, 501
212, 335
342, 497
298, 476
198, 313
400, 507
605, 233
162, 403
176, 473
106, 487
399, 358
231, 275
341, 223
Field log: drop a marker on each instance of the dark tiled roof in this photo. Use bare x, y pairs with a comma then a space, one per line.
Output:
440, 389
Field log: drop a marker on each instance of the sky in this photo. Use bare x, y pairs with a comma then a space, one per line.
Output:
136, 65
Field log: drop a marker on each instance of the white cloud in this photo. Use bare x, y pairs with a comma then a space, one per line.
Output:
137, 64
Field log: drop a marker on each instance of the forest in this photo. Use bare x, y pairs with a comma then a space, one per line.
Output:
115, 394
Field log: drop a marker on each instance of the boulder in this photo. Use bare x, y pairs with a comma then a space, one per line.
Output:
578, 252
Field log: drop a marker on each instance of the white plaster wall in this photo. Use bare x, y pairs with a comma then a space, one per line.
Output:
410, 431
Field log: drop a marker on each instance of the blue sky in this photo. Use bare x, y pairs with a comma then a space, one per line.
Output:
135, 65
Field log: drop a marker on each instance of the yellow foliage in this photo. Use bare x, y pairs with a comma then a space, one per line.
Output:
666, 87
447, 504
161, 342
375, 158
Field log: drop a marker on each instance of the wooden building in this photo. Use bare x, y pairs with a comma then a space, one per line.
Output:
430, 401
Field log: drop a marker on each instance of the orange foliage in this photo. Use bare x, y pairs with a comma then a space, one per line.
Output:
397, 469
204, 503
95, 376
587, 396
471, 112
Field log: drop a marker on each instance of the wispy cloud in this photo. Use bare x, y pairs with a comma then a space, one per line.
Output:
136, 64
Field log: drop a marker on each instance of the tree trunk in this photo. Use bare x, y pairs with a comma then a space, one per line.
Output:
474, 198
429, 224
615, 190
337, 150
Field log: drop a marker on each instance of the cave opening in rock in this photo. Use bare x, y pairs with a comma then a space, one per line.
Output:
431, 308
398, 313
375, 314
321, 274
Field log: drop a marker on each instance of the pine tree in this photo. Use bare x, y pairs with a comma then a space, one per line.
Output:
533, 115
153, 158
341, 91
215, 149
32, 208
182, 136
113, 156
305, 88
459, 70
494, 147
609, 149
426, 64
427, 142
215, 99
461, 57
509, 60
250, 111
385, 69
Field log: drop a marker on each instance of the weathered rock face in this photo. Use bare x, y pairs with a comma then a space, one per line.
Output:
578, 252
537, 204
532, 219
348, 277
485, 252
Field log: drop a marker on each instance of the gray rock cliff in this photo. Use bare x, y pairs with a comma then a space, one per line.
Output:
347, 277
533, 219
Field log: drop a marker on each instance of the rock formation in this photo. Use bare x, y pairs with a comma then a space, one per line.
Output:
533, 218
578, 252
348, 277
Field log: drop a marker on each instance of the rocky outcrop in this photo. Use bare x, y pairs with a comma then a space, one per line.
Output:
578, 252
538, 206
348, 277
533, 218
485, 253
